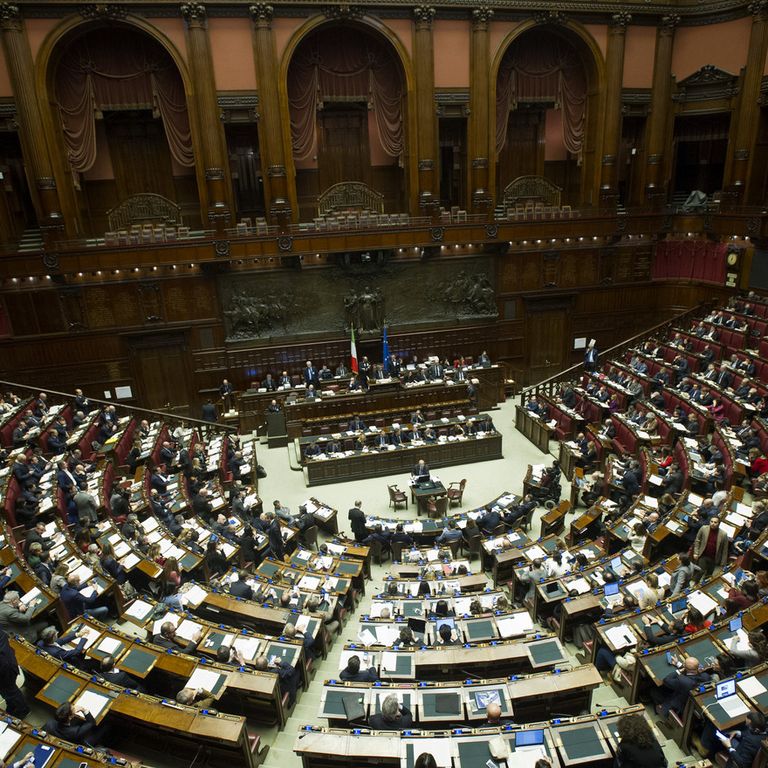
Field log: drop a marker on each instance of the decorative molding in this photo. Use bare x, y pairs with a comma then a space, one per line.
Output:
46, 182
51, 260
103, 11
758, 9
276, 172
238, 107
708, 83
479, 163
481, 17
741, 154
343, 12
437, 234
193, 13
424, 16
10, 18
214, 174
452, 103
609, 159
221, 248
285, 243
655, 159
669, 22
426, 165
491, 231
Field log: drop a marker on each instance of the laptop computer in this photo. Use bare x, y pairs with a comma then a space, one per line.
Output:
353, 707
418, 626
678, 606
725, 689
735, 624
552, 587
616, 564
530, 738
611, 589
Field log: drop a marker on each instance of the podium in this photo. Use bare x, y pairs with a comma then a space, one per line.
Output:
277, 434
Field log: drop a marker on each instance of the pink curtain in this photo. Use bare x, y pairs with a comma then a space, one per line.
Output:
103, 71
690, 260
542, 68
342, 64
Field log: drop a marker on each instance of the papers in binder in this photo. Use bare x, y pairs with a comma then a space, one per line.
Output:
30, 596
733, 706
751, 687
92, 702
109, 645
389, 661
534, 552
205, 679
620, 636
703, 603
310, 583
8, 740
514, 626
139, 610
366, 637
248, 647
302, 623
188, 629
194, 595
581, 586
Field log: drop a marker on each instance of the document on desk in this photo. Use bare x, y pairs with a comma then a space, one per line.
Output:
377, 607
580, 585
336, 549
131, 560
703, 603
440, 749
751, 686
194, 595
172, 617
515, 626
302, 623
109, 645
366, 637
733, 706
534, 552
248, 647
654, 479
8, 740
93, 702
621, 635
310, 583
188, 629
31, 596
139, 610
526, 757
208, 681
389, 661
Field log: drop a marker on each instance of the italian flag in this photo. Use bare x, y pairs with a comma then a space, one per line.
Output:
353, 351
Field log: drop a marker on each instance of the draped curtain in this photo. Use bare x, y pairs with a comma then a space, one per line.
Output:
690, 260
338, 65
542, 68
103, 71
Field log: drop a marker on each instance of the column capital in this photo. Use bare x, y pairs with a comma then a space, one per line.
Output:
552, 16
261, 14
481, 16
669, 22
10, 18
424, 16
620, 21
758, 9
343, 12
194, 14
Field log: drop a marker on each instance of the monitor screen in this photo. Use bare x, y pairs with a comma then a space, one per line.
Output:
616, 563
417, 625
726, 688
679, 605
611, 589
735, 624
553, 587
529, 738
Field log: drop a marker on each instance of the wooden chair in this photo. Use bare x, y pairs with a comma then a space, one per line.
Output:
474, 546
441, 506
396, 547
454, 547
396, 496
456, 493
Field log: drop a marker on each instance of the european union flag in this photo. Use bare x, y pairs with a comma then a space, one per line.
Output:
385, 351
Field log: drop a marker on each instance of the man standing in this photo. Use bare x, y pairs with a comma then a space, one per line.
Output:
15, 704
226, 390
710, 549
357, 521
591, 356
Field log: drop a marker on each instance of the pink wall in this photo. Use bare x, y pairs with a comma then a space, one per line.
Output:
173, 29
498, 33
600, 33
403, 29
724, 45
640, 48
451, 48
554, 143
102, 169
37, 29
283, 29
232, 53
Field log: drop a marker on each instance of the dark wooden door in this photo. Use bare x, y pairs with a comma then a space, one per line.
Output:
547, 334
343, 145
161, 373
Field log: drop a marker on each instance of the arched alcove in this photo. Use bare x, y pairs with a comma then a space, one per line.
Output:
347, 99
547, 89
119, 107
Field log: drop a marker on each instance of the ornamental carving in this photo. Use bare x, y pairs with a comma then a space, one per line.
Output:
437, 234
193, 12
221, 248
621, 20
469, 295
758, 9
9, 16
550, 17
481, 16
261, 12
103, 11
424, 15
670, 22
343, 12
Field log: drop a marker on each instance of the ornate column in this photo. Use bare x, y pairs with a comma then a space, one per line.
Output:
659, 121
743, 134
276, 191
425, 107
218, 191
37, 159
617, 33
479, 147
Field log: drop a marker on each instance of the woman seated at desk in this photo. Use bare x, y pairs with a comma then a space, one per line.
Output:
429, 435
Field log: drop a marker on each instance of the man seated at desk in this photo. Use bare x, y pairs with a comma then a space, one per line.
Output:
53, 645
353, 674
76, 724
313, 450
450, 533
342, 370
393, 716
290, 632
311, 393
398, 438
284, 380
325, 373
198, 698
381, 441
744, 744
673, 694
493, 715
420, 471
116, 676
417, 417
356, 424
240, 587
269, 383
445, 636
167, 639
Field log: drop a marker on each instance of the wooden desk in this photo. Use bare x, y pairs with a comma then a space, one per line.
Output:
373, 464
533, 428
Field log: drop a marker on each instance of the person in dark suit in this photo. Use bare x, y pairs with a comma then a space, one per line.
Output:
167, 639
241, 588
275, 537
353, 674
269, 383
15, 703
53, 645
591, 356
357, 521
117, 677
209, 412
225, 392
355, 424
673, 694
392, 717
310, 374
420, 470
77, 725
489, 520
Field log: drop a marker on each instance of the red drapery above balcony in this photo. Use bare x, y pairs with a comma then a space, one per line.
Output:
690, 260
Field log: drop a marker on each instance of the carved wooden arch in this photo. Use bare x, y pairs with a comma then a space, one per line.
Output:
45, 61
350, 195
147, 207
371, 24
534, 189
